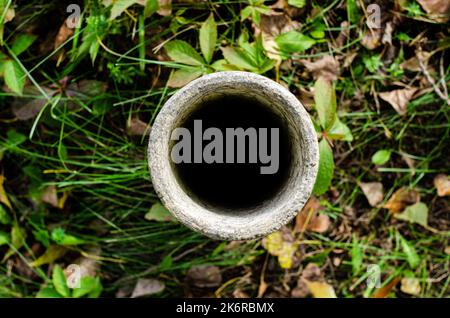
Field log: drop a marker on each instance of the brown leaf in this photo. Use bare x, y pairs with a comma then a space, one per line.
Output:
438, 10
442, 184
204, 276
371, 39
373, 191
64, 33
399, 98
402, 198
310, 218
147, 287
29, 108
384, 291
412, 64
136, 127
327, 67
49, 196
165, 7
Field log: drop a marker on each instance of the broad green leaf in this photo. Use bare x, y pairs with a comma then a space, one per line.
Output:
352, 11
182, 52
325, 101
416, 213
159, 213
381, 157
411, 254
52, 253
237, 58
4, 238
88, 286
246, 12
60, 237
119, 6
326, 168
59, 281
48, 292
183, 76
294, 42
223, 65
14, 76
4, 216
340, 131
297, 3
151, 6
14, 139
22, 43
208, 38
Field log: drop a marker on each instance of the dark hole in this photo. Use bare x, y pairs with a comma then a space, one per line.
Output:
234, 185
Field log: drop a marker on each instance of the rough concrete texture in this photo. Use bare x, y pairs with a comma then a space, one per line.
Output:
257, 221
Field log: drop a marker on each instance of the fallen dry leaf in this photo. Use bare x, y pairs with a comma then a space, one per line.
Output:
402, 198
438, 10
321, 289
384, 291
371, 39
136, 127
410, 286
310, 218
147, 287
412, 64
442, 184
399, 98
165, 7
326, 67
373, 191
416, 213
64, 33
49, 196
282, 246
447, 250
204, 276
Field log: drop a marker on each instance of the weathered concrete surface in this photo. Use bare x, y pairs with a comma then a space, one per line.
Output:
257, 221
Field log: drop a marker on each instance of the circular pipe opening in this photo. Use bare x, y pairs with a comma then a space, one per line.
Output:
234, 200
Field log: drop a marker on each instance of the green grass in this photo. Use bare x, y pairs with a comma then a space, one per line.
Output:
81, 146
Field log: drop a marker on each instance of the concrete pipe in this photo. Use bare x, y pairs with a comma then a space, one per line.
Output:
210, 162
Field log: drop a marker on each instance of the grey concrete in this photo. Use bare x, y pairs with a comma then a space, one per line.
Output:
257, 221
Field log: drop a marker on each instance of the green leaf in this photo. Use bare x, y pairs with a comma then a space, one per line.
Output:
326, 168
119, 6
14, 139
340, 131
183, 76
411, 254
159, 213
4, 216
59, 281
182, 52
246, 12
297, 3
88, 286
60, 237
22, 43
381, 157
151, 6
357, 256
294, 42
416, 213
18, 236
14, 76
4, 238
48, 292
238, 58
208, 38
325, 101
352, 11
223, 65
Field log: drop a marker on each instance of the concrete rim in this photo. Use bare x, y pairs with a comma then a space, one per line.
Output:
228, 226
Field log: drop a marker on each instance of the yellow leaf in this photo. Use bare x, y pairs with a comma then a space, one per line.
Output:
286, 254
3, 196
52, 253
321, 290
